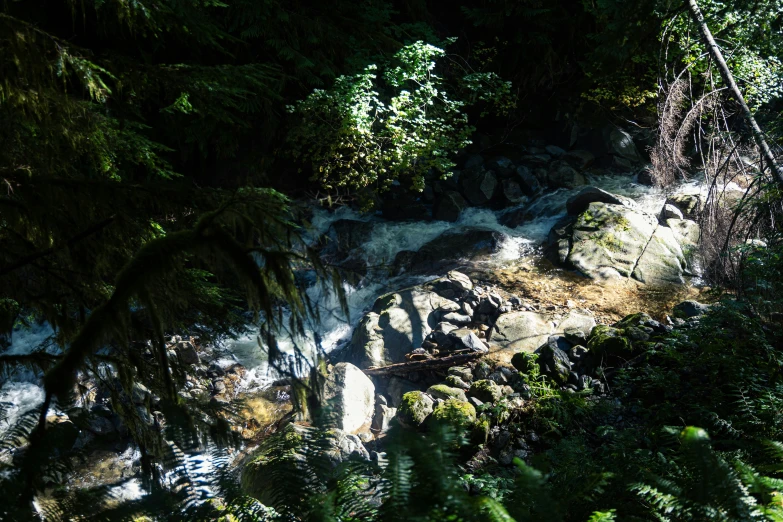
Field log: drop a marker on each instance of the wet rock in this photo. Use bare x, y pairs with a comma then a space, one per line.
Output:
562, 175
558, 242
446, 250
646, 177
578, 203
527, 181
414, 409
449, 206
512, 193
342, 244
349, 397
478, 185
620, 143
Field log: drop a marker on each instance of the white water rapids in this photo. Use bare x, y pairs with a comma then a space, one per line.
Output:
21, 391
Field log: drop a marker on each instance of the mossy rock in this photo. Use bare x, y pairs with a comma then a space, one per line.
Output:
524, 361
485, 391
479, 434
456, 382
414, 408
463, 372
441, 391
638, 319
454, 412
607, 341
281, 446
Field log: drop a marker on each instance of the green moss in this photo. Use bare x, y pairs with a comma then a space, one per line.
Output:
456, 381
480, 432
281, 446
608, 341
485, 391
414, 408
441, 391
524, 362
455, 412
633, 320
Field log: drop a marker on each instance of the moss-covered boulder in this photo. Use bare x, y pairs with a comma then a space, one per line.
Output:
414, 409
280, 449
463, 372
607, 341
455, 412
441, 391
485, 391
524, 362
456, 382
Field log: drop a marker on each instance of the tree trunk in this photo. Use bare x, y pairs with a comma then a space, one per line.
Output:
725, 73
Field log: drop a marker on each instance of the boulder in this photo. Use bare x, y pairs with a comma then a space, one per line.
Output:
472, 161
398, 323
579, 159
579, 202
608, 240
449, 206
562, 175
512, 192
342, 244
554, 151
662, 261
456, 382
349, 397
576, 325
521, 331
397, 388
414, 409
478, 185
688, 309
441, 391
527, 181
463, 372
646, 177
383, 416
464, 339
536, 160
455, 412
558, 242
607, 341
688, 204
620, 143
186, 352
454, 286
669, 211
686, 231
485, 391
553, 359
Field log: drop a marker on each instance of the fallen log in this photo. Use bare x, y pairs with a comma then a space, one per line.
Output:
435, 363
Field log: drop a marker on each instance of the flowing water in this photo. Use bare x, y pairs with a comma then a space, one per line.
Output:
21, 391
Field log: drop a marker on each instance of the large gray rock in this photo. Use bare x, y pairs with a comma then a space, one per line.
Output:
383, 416
562, 175
576, 325
608, 239
688, 309
521, 331
349, 398
579, 202
478, 185
449, 206
662, 261
620, 143
398, 323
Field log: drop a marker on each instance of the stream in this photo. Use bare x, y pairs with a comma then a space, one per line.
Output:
21, 392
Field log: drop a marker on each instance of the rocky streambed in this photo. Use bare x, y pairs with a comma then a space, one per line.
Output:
506, 258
